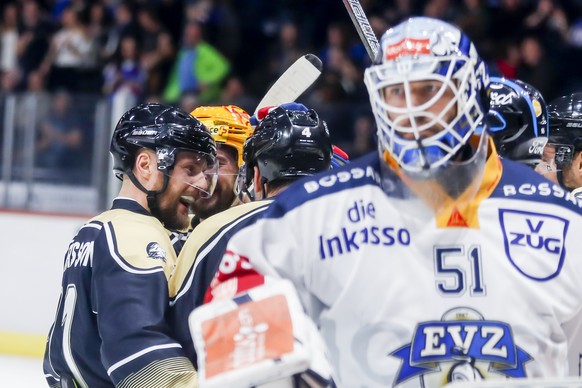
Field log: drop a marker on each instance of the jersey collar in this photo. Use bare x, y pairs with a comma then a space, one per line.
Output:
130, 204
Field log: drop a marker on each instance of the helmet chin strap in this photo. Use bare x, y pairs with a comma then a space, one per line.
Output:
264, 186
151, 196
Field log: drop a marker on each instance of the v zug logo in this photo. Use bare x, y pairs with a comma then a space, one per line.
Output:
534, 242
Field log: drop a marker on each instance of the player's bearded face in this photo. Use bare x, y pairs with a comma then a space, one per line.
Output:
174, 202
224, 194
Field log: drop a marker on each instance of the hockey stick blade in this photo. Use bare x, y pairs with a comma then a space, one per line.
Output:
293, 82
363, 27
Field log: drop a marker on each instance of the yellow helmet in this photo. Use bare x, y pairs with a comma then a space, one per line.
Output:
228, 125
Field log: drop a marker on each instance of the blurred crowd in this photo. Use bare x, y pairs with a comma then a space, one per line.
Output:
195, 52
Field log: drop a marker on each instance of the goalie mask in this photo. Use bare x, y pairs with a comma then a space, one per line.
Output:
428, 94
518, 120
287, 144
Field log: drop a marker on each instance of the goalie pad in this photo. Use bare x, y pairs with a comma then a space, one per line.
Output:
259, 337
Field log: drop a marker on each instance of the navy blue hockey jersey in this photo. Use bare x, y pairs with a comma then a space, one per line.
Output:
110, 328
198, 263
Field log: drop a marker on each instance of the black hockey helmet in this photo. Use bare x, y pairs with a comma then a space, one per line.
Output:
162, 128
288, 144
518, 120
566, 127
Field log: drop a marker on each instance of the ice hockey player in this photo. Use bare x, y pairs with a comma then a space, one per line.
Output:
431, 261
229, 126
286, 145
562, 156
110, 328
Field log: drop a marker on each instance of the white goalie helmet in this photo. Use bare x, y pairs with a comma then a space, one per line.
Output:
428, 95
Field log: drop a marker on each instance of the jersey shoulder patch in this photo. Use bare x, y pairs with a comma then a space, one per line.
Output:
139, 240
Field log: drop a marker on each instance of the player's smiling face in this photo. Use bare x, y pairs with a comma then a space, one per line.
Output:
185, 177
223, 195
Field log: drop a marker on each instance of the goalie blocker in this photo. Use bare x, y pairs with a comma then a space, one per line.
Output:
259, 338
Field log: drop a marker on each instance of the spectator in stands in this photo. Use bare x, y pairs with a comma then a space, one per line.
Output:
399, 11
536, 68
221, 24
199, 68
69, 54
506, 17
287, 50
474, 19
441, 9
234, 93
338, 37
188, 102
8, 41
508, 59
364, 136
125, 70
100, 22
123, 25
548, 18
157, 49
33, 40
32, 109
61, 137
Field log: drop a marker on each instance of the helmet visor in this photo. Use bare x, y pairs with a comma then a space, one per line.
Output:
196, 169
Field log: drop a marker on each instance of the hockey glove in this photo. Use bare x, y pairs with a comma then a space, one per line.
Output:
261, 113
339, 157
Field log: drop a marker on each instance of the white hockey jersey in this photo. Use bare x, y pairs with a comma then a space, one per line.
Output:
487, 291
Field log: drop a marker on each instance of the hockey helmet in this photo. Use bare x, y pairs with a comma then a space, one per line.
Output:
228, 124
518, 120
566, 127
162, 128
288, 144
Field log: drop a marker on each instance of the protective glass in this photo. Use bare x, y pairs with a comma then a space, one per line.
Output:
243, 192
548, 166
563, 154
199, 169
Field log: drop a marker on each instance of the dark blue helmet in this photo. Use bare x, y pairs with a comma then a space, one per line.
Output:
162, 128
288, 144
518, 120
566, 127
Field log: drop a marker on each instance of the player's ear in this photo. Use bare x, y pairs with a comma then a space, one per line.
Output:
578, 163
145, 164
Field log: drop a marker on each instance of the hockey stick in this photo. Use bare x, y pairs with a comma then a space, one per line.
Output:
293, 82
363, 27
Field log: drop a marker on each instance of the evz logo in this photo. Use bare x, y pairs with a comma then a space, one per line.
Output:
534, 242
461, 346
